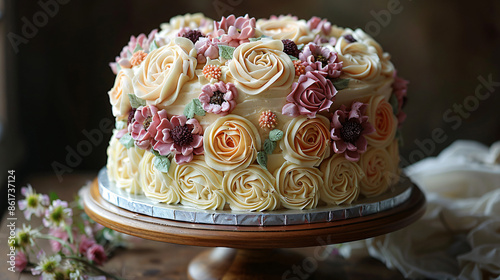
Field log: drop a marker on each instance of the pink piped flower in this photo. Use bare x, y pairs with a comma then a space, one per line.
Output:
234, 31
218, 98
96, 254
138, 129
319, 25
179, 136
321, 59
348, 130
399, 88
126, 54
312, 93
206, 48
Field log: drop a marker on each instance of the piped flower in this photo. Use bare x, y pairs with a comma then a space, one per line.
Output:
300, 69
206, 48
211, 71
348, 128
137, 58
319, 25
234, 31
311, 94
218, 98
142, 41
268, 120
179, 136
33, 203
138, 129
317, 58
192, 34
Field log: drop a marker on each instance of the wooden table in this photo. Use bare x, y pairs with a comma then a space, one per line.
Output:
159, 260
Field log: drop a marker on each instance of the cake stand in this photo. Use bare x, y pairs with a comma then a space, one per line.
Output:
250, 252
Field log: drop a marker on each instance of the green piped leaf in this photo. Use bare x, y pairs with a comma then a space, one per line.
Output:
153, 46
194, 107
156, 153
259, 38
135, 101
137, 48
340, 84
293, 57
300, 47
269, 146
161, 163
118, 68
226, 52
119, 125
262, 159
275, 135
127, 140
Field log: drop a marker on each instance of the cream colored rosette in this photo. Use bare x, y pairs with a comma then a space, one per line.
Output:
393, 151
123, 166
306, 141
230, 143
156, 184
360, 61
118, 95
164, 71
286, 27
251, 189
385, 58
298, 185
199, 185
379, 169
261, 65
342, 180
191, 21
381, 116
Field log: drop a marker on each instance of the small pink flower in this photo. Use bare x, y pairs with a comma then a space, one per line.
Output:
234, 31
317, 58
60, 233
219, 98
138, 129
124, 59
179, 136
311, 94
21, 261
96, 254
206, 48
85, 244
317, 24
348, 130
399, 88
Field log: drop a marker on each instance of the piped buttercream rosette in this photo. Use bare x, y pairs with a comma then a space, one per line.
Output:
298, 186
341, 180
286, 27
381, 116
380, 171
123, 166
199, 185
251, 189
155, 184
118, 95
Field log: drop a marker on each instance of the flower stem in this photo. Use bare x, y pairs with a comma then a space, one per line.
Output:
95, 268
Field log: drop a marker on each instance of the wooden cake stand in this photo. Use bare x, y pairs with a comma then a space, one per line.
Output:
255, 253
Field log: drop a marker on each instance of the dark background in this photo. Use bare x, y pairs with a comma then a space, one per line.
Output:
57, 82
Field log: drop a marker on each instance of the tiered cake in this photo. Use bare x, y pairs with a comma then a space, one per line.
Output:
255, 115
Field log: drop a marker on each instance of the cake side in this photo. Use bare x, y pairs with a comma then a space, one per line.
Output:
255, 115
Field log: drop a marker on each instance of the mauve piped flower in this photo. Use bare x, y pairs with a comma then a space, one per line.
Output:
317, 24
124, 59
234, 31
179, 136
138, 129
399, 88
317, 58
348, 130
218, 98
206, 48
312, 93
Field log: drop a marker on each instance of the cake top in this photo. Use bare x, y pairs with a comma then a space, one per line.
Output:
180, 89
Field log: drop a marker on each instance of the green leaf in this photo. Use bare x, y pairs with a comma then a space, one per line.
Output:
153, 46
269, 146
275, 135
194, 107
394, 103
135, 101
161, 163
53, 196
226, 51
262, 159
119, 125
156, 153
340, 84
300, 47
293, 57
118, 67
137, 48
127, 141
259, 38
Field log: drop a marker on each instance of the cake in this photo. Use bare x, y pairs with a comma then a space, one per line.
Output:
255, 115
